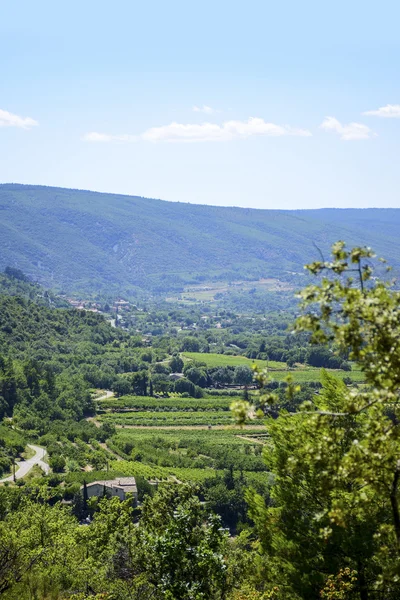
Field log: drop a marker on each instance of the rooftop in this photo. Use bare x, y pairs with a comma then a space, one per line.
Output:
128, 484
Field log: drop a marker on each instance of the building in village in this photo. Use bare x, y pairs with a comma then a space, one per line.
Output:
115, 487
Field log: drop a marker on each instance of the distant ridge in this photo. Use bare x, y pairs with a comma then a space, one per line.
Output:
92, 242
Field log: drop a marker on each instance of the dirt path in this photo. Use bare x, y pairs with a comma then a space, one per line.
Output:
107, 449
250, 439
93, 420
24, 466
105, 396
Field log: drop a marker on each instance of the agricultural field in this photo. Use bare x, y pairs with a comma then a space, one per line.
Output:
182, 474
224, 360
189, 455
310, 374
171, 418
174, 403
208, 291
278, 370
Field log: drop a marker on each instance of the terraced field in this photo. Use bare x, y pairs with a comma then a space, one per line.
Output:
191, 439
172, 418
176, 403
189, 455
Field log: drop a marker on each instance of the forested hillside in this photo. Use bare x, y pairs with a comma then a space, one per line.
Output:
91, 242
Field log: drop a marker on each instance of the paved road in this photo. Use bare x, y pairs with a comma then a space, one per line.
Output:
26, 465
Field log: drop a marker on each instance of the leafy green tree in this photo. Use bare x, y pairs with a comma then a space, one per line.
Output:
37, 550
190, 344
57, 463
197, 376
180, 547
121, 386
243, 375
336, 462
176, 364
185, 386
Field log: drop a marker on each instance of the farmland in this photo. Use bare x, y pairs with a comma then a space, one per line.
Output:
210, 291
223, 360
278, 370
172, 418
188, 455
164, 404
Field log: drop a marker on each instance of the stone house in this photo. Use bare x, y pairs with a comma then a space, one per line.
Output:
115, 487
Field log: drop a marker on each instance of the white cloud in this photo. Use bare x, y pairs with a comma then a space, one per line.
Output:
209, 132
204, 109
205, 132
7, 119
351, 131
93, 136
390, 111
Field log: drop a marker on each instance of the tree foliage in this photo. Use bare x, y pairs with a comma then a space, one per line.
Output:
336, 462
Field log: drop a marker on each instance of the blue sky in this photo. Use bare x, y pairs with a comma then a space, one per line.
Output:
258, 104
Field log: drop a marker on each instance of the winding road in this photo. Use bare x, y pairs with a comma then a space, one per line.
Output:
24, 466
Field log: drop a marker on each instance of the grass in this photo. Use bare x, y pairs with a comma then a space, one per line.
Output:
34, 473
278, 370
308, 375
225, 360
28, 453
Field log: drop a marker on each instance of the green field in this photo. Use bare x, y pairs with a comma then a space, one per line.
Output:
174, 403
173, 418
308, 375
181, 438
149, 471
154, 472
224, 360
189, 455
278, 370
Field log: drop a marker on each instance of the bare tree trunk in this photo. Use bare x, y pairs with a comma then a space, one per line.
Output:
362, 583
395, 504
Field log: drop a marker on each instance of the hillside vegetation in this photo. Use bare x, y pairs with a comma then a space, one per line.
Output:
92, 242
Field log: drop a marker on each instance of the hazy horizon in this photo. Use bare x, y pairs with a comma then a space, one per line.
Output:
38, 185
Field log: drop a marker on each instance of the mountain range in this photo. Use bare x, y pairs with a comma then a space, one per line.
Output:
90, 242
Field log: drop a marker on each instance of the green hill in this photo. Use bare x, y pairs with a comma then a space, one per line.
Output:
91, 242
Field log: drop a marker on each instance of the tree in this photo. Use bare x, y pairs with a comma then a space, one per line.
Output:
121, 386
183, 385
243, 375
336, 462
176, 364
222, 376
190, 344
161, 384
16, 274
57, 463
36, 542
180, 548
197, 376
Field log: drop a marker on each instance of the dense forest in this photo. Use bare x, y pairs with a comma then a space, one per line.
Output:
99, 243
